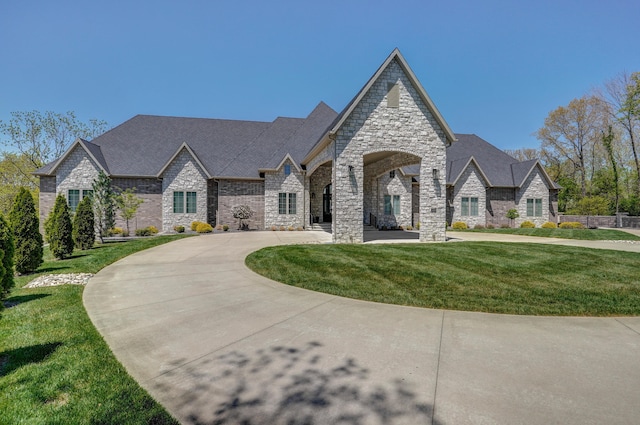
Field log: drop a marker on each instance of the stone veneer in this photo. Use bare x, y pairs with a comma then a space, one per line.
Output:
276, 182
535, 186
183, 175
232, 193
470, 184
320, 178
77, 171
375, 127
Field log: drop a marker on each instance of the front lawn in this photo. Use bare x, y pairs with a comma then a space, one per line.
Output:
583, 234
492, 277
55, 368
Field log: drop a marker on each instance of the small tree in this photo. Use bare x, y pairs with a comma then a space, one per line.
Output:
59, 222
128, 203
84, 234
27, 238
512, 214
103, 205
7, 247
242, 213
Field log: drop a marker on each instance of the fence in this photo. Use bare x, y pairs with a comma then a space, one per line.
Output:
620, 220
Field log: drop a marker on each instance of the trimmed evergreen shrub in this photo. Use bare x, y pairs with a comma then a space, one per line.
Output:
549, 225
490, 226
571, 225
153, 230
179, 229
145, 231
459, 225
527, 225
60, 237
84, 233
7, 248
478, 226
194, 225
27, 238
204, 228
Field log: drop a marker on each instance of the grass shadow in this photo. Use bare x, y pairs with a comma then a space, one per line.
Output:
48, 269
20, 299
14, 359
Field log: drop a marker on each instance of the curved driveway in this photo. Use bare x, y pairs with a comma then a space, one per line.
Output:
215, 343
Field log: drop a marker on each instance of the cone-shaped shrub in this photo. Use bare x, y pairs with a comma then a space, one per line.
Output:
84, 225
27, 238
7, 247
60, 229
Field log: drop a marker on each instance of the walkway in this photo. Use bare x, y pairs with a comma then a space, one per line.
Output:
215, 343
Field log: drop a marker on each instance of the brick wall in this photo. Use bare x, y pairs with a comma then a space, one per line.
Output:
47, 198
241, 192
150, 211
499, 201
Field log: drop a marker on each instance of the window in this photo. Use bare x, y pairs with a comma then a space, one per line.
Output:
74, 199
289, 207
191, 202
88, 193
534, 207
469, 206
292, 203
178, 202
391, 204
287, 169
392, 174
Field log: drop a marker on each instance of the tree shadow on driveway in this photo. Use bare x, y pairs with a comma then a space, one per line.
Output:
287, 385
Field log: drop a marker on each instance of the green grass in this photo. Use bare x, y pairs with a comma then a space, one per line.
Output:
583, 234
474, 276
55, 368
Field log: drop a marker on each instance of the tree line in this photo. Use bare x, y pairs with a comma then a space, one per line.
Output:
590, 147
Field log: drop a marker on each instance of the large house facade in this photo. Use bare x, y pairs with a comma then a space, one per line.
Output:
389, 159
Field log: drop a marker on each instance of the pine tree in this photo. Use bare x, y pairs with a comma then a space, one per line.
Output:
60, 229
7, 247
84, 234
103, 204
27, 238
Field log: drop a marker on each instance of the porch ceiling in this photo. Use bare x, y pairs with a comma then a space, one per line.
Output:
377, 156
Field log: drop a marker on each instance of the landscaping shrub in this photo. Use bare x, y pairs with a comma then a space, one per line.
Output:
225, 227
8, 248
418, 226
116, 231
242, 213
153, 230
274, 228
179, 229
148, 231
527, 225
478, 226
125, 233
26, 232
282, 228
490, 226
571, 225
204, 228
60, 229
459, 225
194, 225
299, 228
84, 233
549, 225
505, 226
291, 229
409, 228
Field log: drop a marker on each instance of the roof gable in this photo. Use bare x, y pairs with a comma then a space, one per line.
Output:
346, 112
184, 147
92, 150
459, 170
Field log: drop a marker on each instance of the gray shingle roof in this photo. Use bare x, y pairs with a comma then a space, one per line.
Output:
142, 145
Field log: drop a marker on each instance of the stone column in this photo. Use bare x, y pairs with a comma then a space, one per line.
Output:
432, 201
348, 199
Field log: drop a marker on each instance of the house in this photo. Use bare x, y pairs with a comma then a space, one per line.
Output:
388, 159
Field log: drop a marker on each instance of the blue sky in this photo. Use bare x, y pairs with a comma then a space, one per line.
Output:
493, 68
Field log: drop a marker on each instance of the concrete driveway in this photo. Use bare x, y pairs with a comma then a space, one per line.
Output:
217, 344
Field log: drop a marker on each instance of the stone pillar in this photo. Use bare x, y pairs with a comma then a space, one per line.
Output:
432, 200
348, 179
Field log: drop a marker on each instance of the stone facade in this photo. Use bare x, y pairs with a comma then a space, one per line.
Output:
469, 185
232, 193
77, 171
372, 127
399, 185
183, 175
534, 187
276, 182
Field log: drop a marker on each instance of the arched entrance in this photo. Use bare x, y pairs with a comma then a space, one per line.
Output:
327, 204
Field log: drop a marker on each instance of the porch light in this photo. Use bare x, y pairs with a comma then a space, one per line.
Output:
350, 170
436, 173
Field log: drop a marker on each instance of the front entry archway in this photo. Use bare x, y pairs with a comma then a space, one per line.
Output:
327, 204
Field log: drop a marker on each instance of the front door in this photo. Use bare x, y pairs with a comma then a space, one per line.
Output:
326, 204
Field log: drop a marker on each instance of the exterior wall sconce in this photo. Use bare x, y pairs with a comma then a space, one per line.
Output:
351, 170
436, 173
313, 195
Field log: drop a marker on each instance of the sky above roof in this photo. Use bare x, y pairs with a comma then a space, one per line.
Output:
493, 68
